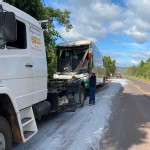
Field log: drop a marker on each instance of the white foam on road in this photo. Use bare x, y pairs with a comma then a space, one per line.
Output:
81, 130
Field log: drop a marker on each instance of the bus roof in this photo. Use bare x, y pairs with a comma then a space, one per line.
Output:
75, 43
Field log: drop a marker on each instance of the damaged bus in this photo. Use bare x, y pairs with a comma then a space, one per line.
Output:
77, 57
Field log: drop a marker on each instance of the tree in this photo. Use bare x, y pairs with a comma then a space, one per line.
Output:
113, 67
33, 7
140, 71
51, 34
110, 65
40, 11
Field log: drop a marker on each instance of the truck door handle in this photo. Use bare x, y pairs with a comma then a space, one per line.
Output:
29, 65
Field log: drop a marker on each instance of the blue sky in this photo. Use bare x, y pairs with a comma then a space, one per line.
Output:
120, 28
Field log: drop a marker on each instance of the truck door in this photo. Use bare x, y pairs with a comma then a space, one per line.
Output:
38, 56
16, 67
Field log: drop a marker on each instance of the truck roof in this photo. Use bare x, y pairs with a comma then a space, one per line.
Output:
19, 13
75, 43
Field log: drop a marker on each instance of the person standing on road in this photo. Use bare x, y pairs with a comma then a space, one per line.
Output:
92, 88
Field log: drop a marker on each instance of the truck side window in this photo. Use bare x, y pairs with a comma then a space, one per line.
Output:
21, 42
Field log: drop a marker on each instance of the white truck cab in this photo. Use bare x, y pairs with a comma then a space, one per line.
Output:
23, 74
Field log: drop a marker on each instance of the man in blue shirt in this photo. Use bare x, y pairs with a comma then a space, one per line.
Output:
92, 88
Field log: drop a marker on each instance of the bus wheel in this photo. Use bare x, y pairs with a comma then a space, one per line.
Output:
5, 135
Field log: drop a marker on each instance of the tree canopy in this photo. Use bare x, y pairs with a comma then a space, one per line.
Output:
110, 66
140, 71
39, 10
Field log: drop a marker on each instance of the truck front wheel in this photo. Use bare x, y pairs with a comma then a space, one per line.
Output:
5, 135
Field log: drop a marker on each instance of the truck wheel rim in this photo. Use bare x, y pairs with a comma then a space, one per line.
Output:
2, 142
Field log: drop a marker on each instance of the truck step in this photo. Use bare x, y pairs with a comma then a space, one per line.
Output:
28, 134
26, 120
27, 123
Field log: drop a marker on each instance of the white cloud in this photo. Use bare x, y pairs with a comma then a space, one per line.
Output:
137, 20
121, 63
116, 26
92, 19
134, 62
113, 54
144, 55
97, 18
134, 45
140, 8
138, 35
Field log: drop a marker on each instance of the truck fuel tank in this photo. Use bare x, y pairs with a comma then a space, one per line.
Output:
41, 108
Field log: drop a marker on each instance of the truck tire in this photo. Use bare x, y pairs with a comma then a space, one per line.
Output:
5, 135
80, 96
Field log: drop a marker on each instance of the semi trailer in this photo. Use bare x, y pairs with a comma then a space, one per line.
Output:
26, 93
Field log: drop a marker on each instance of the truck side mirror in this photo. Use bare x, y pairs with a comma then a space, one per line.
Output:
1, 17
1, 26
10, 27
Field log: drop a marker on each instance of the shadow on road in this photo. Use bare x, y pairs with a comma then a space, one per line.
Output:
129, 123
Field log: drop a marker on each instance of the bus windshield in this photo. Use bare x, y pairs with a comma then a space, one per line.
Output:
69, 59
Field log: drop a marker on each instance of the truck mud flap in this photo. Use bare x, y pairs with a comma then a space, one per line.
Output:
69, 108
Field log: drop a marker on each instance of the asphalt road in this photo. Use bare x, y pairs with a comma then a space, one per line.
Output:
78, 130
142, 85
129, 124
120, 120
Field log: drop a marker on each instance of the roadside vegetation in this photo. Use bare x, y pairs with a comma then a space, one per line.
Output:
40, 11
110, 66
141, 71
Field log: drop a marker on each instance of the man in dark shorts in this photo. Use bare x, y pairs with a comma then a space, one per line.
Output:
92, 88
